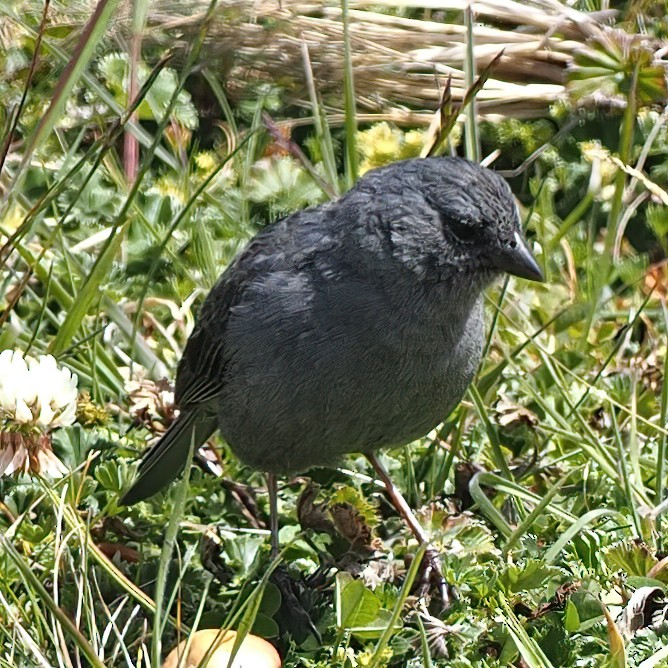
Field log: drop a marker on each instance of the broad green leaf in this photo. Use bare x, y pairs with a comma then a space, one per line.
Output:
571, 617
356, 606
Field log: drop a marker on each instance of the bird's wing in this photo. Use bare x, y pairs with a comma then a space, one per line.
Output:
200, 371
198, 375
288, 244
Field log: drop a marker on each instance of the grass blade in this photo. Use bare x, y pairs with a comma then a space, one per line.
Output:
88, 292
352, 167
46, 599
533, 655
398, 607
165, 556
83, 53
470, 123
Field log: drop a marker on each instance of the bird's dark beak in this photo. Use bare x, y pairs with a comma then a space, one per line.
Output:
518, 261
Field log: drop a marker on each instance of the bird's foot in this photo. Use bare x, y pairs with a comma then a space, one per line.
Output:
431, 578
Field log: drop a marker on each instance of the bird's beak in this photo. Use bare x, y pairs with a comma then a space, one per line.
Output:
518, 261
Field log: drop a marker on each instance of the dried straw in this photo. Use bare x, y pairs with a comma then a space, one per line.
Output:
399, 63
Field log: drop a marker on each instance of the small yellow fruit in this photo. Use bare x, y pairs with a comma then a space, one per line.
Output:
254, 652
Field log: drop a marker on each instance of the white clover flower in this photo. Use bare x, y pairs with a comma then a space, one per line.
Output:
15, 388
36, 396
36, 392
29, 453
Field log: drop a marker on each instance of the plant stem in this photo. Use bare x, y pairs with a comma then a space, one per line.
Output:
46, 598
165, 557
349, 101
471, 134
625, 154
659, 484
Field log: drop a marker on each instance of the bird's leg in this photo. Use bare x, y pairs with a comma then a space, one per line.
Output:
292, 612
398, 500
272, 490
432, 571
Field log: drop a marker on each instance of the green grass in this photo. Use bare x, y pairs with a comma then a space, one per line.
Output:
544, 489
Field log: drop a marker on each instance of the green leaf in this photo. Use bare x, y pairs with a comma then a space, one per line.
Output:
115, 69
85, 49
88, 292
605, 68
530, 575
243, 551
531, 652
630, 557
60, 31
72, 444
356, 606
571, 617
283, 184
377, 627
264, 626
112, 476
271, 600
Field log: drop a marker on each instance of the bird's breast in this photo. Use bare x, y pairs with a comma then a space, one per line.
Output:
342, 368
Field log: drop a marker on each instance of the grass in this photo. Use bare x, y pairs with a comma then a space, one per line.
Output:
544, 489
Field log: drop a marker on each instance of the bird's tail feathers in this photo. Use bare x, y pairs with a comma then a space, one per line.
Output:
165, 460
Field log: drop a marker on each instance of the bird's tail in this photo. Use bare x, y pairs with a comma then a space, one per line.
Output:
166, 459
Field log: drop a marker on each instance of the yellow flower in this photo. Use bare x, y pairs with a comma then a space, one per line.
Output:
595, 153
205, 161
413, 144
382, 144
166, 187
13, 217
379, 145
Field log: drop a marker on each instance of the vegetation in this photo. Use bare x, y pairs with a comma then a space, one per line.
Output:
136, 158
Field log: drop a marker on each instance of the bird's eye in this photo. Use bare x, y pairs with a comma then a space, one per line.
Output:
463, 231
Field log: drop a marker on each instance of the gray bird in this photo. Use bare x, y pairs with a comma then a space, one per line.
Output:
347, 327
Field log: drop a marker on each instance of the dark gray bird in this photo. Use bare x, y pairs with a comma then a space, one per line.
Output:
347, 327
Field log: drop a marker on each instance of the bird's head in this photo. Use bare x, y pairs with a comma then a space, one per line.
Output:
458, 215
479, 217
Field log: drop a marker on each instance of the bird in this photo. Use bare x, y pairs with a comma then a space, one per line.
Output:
352, 326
